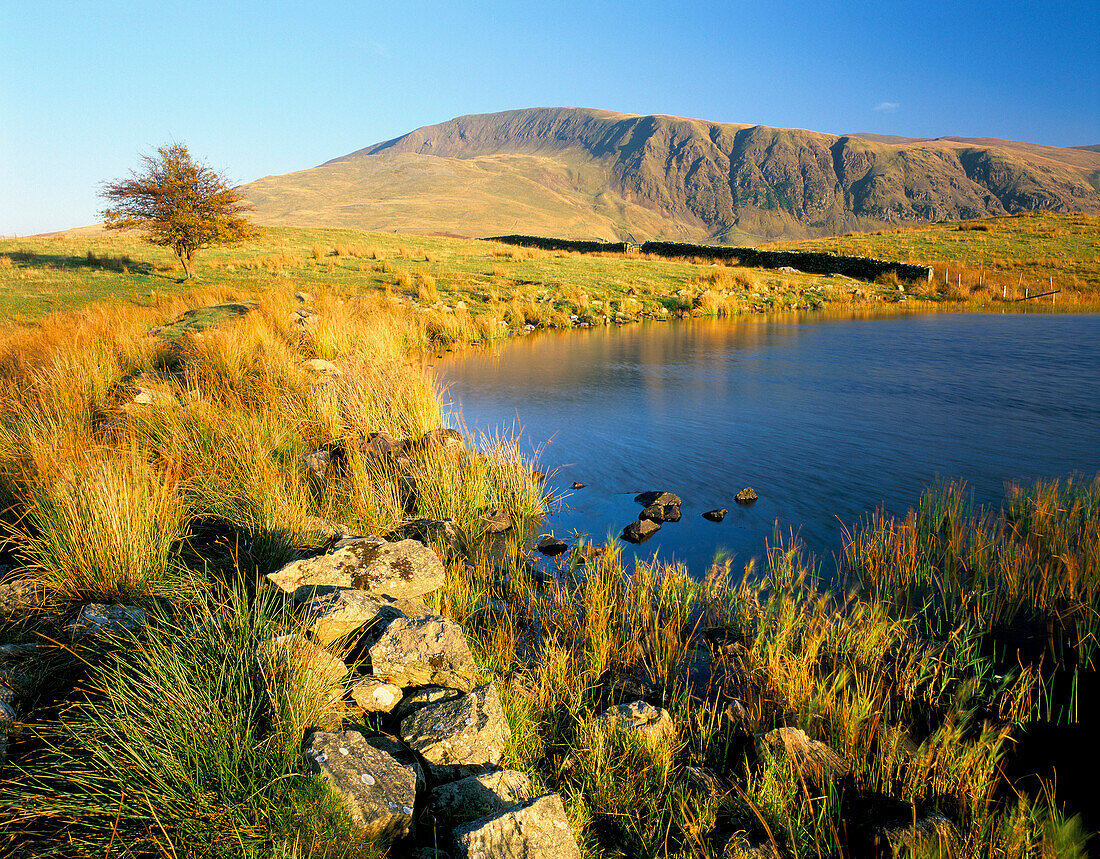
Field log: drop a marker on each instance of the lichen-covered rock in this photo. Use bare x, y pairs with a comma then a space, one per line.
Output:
746, 496
342, 611
496, 521
98, 619
653, 724
538, 829
375, 696
378, 791
416, 698
813, 758
640, 531
21, 596
307, 663
424, 651
461, 736
402, 569
477, 796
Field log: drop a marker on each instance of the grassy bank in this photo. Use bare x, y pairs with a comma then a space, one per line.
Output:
165, 470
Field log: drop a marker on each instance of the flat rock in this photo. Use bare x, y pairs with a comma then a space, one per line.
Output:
661, 513
461, 736
746, 496
477, 796
716, 515
640, 531
538, 829
375, 696
341, 611
550, 545
657, 497
424, 651
812, 757
378, 792
416, 698
653, 724
402, 569
307, 662
99, 619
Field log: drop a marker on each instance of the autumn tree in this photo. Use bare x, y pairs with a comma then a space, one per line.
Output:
179, 204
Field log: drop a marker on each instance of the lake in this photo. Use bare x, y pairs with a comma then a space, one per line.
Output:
827, 418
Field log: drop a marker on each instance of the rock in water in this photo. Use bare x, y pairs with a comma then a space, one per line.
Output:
716, 515
402, 569
551, 545
640, 531
461, 736
653, 724
657, 497
424, 651
537, 829
661, 513
378, 792
746, 496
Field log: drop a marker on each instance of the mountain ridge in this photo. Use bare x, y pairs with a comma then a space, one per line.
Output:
589, 173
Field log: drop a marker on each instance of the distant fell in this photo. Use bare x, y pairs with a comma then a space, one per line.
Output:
596, 174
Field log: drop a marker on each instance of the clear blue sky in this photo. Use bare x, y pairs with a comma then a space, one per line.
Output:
256, 88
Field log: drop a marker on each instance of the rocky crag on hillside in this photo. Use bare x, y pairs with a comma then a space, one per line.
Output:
581, 173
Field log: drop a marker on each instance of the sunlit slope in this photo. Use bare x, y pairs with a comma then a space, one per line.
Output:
581, 173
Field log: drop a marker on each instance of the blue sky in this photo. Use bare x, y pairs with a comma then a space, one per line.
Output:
256, 88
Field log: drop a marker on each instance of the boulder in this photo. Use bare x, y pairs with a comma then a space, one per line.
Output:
812, 758
424, 651
321, 672
477, 796
746, 496
316, 463
550, 545
378, 791
459, 737
332, 615
402, 569
661, 513
640, 531
538, 829
20, 597
657, 497
98, 619
653, 724
716, 515
416, 698
375, 696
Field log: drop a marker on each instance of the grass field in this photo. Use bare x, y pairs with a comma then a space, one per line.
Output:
960, 634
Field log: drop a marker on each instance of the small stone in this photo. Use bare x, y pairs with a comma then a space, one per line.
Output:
445, 437
586, 553
98, 619
716, 515
304, 297
579, 485
551, 545
746, 496
538, 829
375, 696
812, 757
640, 531
316, 463
653, 724
496, 521
661, 513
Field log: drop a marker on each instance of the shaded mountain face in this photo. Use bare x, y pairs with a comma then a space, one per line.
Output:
580, 173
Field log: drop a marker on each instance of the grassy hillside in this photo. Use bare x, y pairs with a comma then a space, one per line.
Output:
584, 174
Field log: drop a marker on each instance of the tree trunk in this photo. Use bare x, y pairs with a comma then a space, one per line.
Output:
187, 259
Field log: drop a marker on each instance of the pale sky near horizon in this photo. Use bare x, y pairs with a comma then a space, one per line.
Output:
260, 88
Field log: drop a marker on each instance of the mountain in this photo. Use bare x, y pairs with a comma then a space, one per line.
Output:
582, 173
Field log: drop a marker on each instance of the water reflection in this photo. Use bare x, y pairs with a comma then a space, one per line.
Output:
827, 418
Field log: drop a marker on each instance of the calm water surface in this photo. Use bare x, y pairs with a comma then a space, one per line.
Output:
828, 419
